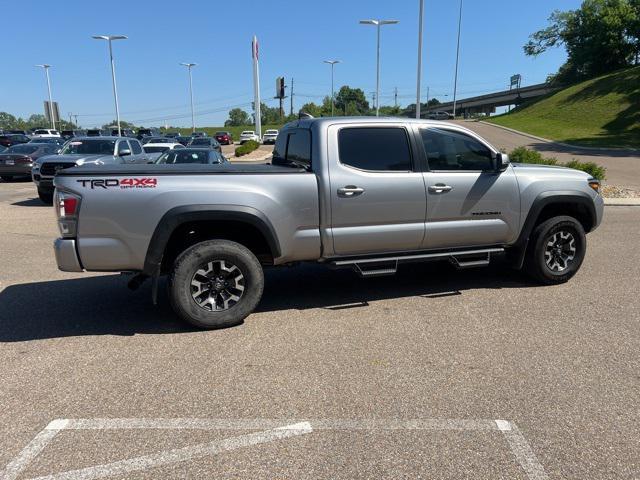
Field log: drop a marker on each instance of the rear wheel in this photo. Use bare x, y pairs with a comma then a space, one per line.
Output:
556, 250
46, 196
215, 284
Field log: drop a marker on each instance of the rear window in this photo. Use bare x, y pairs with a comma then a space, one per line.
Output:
293, 149
375, 148
191, 156
23, 149
201, 141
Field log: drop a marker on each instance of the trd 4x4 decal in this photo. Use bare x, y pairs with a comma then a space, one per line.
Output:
144, 182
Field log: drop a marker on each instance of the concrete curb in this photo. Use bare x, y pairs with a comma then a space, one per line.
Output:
622, 202
631, 151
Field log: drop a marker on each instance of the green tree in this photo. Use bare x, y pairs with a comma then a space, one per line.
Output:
352, 101
8, 121
123, 124
237, 117
599, 37
312, 109
269, 115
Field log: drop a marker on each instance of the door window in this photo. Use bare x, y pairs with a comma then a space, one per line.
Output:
135, 147
122, 146
375, 149
293, 149
449, 150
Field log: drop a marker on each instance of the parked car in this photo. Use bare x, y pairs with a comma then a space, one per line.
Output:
192, 155
158, 140
270, 136
205, 142
184, 140
154, 150
361, 193
16, 161
2, 148
69, 134
20, 132
46, 133
148, 132
124, 132
440, 116
172, 134
247, 135
199, 134
85, 151
224, 138
58, 141
96, 132
9, 139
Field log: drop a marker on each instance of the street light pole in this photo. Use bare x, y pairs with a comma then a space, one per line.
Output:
46, 68
332, 63
193, 122
455, 81
378, 23
110, 38
419, 59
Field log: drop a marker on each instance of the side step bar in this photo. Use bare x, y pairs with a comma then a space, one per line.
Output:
373, 267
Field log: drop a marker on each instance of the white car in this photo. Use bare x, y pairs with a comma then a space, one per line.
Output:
46, 133
156, 149
247, 135
270, 136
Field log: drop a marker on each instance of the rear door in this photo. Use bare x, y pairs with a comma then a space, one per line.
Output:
468, 203
378, 199
137, 152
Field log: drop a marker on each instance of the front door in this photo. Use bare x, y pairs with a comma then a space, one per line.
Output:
468, 203
378, 200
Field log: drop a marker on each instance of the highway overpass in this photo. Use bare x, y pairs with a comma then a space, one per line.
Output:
487, 103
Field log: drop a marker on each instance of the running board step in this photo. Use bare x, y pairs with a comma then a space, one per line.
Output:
472, 262
376, 271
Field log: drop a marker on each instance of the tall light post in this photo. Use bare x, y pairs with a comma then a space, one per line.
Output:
419, 59
46, 71
189, 67
333, 98
378, 23
455, 81
110, 38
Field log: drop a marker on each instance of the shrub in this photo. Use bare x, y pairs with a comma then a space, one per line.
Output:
593, 169
246, 148
524, 155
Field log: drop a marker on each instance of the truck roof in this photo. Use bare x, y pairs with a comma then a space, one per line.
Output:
308, 122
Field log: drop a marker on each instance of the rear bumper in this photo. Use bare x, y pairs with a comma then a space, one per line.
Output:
15, 170
66, 255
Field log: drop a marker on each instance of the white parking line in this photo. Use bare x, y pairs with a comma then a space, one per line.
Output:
273, 430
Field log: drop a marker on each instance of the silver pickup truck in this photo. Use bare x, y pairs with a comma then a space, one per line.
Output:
363, 193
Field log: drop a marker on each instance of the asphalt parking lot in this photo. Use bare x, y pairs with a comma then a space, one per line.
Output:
433, 373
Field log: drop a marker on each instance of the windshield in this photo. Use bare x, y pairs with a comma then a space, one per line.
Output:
23, 149
271, 132
91, 147
190, 156
155, 149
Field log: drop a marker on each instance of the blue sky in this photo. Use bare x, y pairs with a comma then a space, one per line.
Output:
294, 36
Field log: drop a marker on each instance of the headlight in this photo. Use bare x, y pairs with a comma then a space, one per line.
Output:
594, 184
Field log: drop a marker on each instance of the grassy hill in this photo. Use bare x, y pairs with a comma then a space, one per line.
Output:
602, 112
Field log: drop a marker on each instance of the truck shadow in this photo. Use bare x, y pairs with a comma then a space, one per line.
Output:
102, 305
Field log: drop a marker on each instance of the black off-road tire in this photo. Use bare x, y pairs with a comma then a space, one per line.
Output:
194, 259
46, 197
541, 243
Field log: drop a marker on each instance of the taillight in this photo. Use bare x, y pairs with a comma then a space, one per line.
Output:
67, 206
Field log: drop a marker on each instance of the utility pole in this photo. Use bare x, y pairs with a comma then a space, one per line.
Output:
419, 79
455, 82
76, 117
291, 98
70, 119
373, 101
395, 97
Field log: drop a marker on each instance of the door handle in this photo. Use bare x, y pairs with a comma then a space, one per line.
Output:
440, 188
350, 191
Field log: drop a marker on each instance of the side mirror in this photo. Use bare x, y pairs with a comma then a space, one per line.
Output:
124, 152
502, 162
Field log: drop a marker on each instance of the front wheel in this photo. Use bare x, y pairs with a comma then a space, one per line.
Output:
215, 284
46, 196
556, 251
